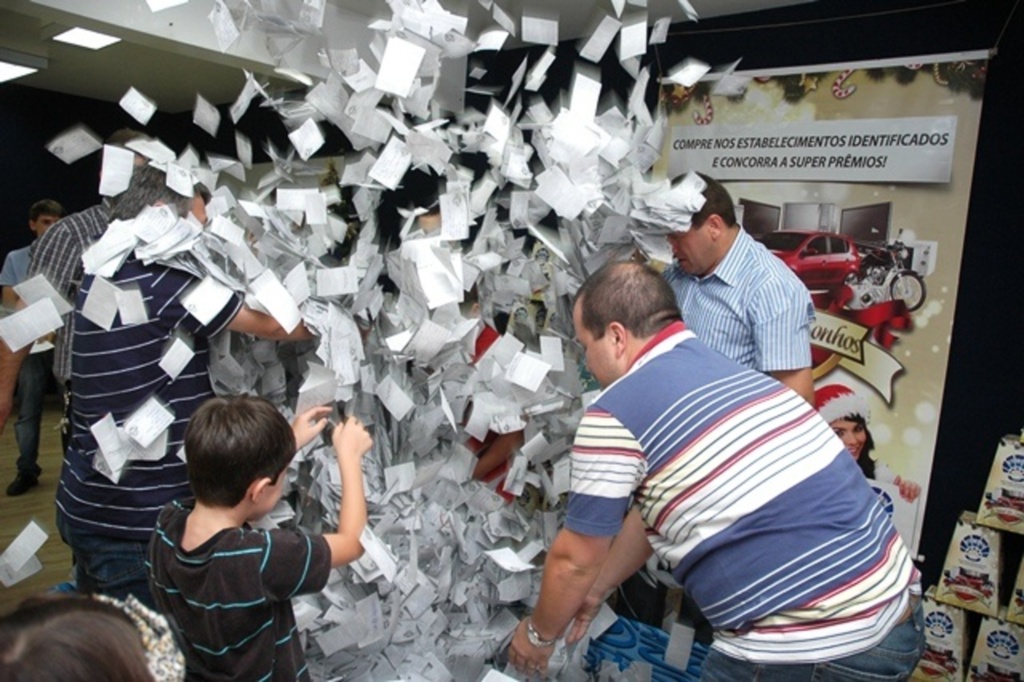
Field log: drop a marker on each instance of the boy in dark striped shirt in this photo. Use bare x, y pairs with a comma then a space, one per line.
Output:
227, 587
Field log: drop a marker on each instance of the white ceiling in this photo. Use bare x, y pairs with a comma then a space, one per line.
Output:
171, 55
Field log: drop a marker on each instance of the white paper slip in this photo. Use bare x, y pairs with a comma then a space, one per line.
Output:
399, 67
114, 448
118, 164
551, 352
633, 36
100, 305
138, 106
659, 32
243, 149
176, 357
153, 222
206, 116
154, 452
227, 230
131, 306
601, 39
509, 560
377, 555
495, 676
37, 288
73, 144
273, 296
337, 281
455, 215
400, 477
540, 28
394, 398
392, 164
206, 299
180, 179
687, 72
30, 323
317, 389
106, 254
145, 424
491, 40
297, 283
9, 576
29, 541
306, 139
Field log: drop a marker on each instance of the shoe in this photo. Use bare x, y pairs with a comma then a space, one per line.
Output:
21, 484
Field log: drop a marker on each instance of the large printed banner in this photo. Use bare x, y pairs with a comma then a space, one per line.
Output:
872, 150
858, 177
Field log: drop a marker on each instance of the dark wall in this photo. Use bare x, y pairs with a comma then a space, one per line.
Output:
29, 118
983, 398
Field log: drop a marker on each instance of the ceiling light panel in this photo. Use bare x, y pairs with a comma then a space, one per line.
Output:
86, 38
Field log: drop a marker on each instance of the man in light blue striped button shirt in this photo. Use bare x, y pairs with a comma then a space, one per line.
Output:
740, 299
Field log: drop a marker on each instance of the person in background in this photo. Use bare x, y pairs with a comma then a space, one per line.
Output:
848, 415
715, 467
226, 586
72, 638
108, 516
34, 374
740, 299
58, 256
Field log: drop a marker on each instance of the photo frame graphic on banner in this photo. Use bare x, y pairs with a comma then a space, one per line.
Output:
858, 176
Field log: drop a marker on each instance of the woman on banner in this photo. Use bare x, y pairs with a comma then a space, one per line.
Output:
848, 415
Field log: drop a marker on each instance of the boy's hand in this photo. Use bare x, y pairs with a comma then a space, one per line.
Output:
351, 438
309, 424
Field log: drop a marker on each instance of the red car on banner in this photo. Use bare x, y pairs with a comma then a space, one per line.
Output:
822, 260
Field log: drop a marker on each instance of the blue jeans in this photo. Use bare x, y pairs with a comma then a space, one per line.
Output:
894, 658
107, 565
32, 381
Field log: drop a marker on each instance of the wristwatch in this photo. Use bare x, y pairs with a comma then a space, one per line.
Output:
534, 637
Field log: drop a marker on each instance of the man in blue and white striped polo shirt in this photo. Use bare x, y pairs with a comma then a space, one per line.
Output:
740, 487
739, 298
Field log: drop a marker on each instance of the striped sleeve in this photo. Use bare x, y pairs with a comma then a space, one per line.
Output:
607, 466
782, 315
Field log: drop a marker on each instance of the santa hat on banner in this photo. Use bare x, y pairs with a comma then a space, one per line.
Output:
835, 401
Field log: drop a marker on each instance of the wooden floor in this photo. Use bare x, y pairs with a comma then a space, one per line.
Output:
37, 504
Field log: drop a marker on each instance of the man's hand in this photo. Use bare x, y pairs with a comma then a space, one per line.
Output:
10, 366
526, 658
584, 617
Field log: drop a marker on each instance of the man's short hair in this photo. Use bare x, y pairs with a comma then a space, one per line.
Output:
147, 187
716, 201
122, 136
631, 294
231, 442
45, 207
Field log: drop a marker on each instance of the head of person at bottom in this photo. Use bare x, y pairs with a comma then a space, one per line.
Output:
148, 187
618, 310
238, 449
713, 229
71, 639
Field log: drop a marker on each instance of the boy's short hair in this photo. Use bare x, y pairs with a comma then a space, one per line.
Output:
45, 207
232, 442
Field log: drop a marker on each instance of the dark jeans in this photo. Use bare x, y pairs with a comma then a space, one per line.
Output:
894, 658
32, 382
107, 565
